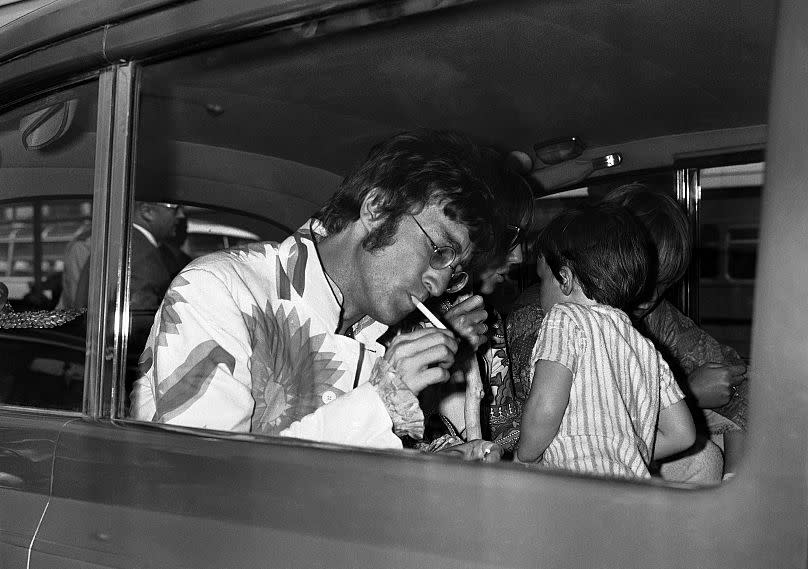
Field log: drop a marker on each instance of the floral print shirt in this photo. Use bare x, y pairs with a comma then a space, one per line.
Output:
246, 340
687, 347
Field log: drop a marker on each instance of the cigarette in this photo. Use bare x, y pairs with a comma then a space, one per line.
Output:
428, 313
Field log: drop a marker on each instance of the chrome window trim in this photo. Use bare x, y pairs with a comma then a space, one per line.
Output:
97, 293
121, 199
108, 306
688, 192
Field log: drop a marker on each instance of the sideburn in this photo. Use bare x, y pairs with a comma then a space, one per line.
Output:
382, 236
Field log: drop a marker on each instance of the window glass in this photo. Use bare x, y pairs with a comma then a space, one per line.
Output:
189, 231
244, 143
708, 252
729, 215
48, 154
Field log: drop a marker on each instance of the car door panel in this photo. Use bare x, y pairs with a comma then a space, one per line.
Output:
27, 444
137, 495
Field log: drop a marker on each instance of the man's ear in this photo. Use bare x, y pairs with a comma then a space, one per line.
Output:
370, 212
567, 280
144, 211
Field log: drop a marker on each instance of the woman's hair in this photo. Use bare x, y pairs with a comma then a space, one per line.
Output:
606, 249
513, 203
410, 171
667, 226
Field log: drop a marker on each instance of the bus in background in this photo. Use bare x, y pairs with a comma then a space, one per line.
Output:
33, 237
35, 234
726, 251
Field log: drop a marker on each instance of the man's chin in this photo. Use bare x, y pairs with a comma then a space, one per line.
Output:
392, 315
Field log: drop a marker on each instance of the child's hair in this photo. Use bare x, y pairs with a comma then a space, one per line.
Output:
606, 249
667, 226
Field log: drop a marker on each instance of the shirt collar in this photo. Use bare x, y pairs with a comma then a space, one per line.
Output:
318, 289
146, 234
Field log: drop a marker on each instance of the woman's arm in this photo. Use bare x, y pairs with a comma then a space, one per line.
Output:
544, 410
675, 431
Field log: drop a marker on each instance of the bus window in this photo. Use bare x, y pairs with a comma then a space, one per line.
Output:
728, 219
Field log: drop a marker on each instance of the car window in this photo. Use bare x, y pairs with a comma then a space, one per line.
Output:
255, 131
211, 173
47, 148
729, 221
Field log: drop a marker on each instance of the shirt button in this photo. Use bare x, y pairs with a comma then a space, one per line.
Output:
329, 396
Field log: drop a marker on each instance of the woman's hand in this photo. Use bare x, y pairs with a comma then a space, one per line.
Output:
713, 384
478, 449
467, 318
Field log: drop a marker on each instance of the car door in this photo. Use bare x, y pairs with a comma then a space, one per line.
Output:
129, 494
27, 443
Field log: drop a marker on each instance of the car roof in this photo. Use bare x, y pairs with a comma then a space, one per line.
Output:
662, 76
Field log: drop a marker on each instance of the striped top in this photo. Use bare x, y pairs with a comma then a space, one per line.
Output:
619, 384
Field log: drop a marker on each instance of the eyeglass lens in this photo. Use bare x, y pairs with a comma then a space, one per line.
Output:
512, 235
443, 257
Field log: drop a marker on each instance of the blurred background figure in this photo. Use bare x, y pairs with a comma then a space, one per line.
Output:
172, 249
76, 259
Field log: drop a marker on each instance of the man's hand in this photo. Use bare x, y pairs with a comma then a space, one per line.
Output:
467, 318
422, 357
478, 449
712, 384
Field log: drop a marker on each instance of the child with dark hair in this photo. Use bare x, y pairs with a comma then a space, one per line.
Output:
602, 399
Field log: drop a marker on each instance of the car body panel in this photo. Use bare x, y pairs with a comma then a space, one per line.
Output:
27, 445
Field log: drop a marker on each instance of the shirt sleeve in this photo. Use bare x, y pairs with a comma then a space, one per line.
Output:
689, 346
560, 340
357, 418
194, 369
373, 415
669, 390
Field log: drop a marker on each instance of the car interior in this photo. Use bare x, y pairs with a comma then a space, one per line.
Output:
248, 129
255, 136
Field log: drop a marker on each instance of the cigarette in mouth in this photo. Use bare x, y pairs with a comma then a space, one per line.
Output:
428, 313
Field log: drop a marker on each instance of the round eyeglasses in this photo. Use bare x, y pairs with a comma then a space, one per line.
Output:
511, 236
171, 206
442, 258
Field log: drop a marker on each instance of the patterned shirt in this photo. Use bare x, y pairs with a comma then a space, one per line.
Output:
687, 347
246, 340
506, 397
620, 383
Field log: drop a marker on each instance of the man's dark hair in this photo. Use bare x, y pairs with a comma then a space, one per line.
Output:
604, 246
410, 171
